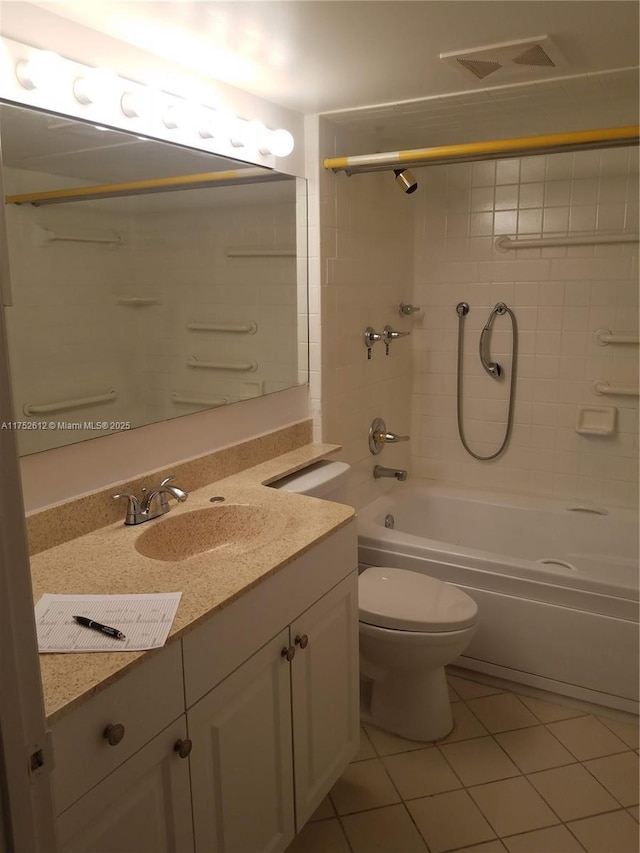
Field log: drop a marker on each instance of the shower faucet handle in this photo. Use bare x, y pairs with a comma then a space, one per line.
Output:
371, 337
405, 310
378, 436
389, 334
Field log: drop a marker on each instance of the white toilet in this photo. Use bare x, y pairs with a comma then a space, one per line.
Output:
411, 626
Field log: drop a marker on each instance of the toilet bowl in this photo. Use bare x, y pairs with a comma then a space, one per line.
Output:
411, 627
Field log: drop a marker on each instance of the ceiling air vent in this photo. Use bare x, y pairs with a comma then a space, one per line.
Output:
509, 60
480, 67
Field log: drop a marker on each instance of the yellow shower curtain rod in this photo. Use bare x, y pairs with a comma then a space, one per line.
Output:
153, 185
527, 145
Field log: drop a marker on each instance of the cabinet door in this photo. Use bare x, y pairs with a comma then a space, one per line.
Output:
325, 694
142, 807
241, 766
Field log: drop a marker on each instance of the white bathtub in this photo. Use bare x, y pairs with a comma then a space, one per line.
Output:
556, 588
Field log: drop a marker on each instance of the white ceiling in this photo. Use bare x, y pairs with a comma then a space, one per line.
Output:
325, 55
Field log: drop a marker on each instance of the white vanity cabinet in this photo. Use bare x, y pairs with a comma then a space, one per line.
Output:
271, 738
241, 763
119, 783
269, 684
144, 806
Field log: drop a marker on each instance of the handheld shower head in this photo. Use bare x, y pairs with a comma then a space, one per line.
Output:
406, 180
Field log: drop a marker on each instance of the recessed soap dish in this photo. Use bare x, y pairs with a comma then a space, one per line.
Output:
596, 420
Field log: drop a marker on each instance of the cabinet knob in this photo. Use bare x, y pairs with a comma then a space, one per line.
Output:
183, 747
302, 641
288, 652
114, 733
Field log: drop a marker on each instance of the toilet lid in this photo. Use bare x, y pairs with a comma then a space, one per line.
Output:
409, 601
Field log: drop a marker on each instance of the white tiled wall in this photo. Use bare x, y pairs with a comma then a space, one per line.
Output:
73, 334
561, 296
366, 263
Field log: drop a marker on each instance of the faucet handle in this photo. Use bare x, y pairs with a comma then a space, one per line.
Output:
134, 509
168, 479
391, 334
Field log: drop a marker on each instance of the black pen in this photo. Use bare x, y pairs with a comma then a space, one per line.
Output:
104, 629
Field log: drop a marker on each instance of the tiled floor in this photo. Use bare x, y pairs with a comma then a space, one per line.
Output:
516, 774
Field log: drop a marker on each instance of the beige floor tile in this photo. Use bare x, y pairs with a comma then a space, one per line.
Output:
386, 830
549, 712
634, 811
619, 775
324, 836
513, 806
364, 785
615, 832
449, 821
628, 732
553, 839
467, 689
465, 725
488, 847
386, 743
325, 810
534, 749
366, 747
479, 760
421, 773
572, 792
586, 737
453, 696
502, 713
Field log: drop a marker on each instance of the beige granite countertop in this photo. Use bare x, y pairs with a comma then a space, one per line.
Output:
106, 561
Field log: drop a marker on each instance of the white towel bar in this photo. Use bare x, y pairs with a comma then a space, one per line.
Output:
505, 244
260, 253
137, 301
64, 405
619, 390
606, 336
246, 329
195, 401
246, 367
47, 236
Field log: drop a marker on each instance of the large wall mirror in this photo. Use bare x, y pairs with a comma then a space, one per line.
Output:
139, 291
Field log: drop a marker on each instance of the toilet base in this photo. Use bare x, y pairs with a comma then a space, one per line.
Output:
416, 708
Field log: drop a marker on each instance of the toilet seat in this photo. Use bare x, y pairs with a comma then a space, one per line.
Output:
409, 601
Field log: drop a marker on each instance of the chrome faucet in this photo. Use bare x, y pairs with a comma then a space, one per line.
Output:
151, 505
399, 473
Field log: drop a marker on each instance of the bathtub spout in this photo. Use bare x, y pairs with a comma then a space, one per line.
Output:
399, 473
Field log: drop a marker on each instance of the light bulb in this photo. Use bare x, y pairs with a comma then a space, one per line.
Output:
136, 104
278, 142
171, 117
97, 84
209, 123
255, 134
239, 134
42, 70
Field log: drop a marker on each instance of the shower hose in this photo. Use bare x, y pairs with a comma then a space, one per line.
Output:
462, 310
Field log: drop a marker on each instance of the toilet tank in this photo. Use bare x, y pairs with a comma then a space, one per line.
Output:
324, 479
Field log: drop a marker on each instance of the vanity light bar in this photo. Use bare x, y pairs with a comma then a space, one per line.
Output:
44, 79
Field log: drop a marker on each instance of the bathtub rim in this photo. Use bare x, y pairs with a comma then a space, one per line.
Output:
375, 540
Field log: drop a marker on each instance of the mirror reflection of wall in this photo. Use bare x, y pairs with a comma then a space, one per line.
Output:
133, 308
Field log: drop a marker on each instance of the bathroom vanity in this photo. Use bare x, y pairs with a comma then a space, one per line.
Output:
229, 737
